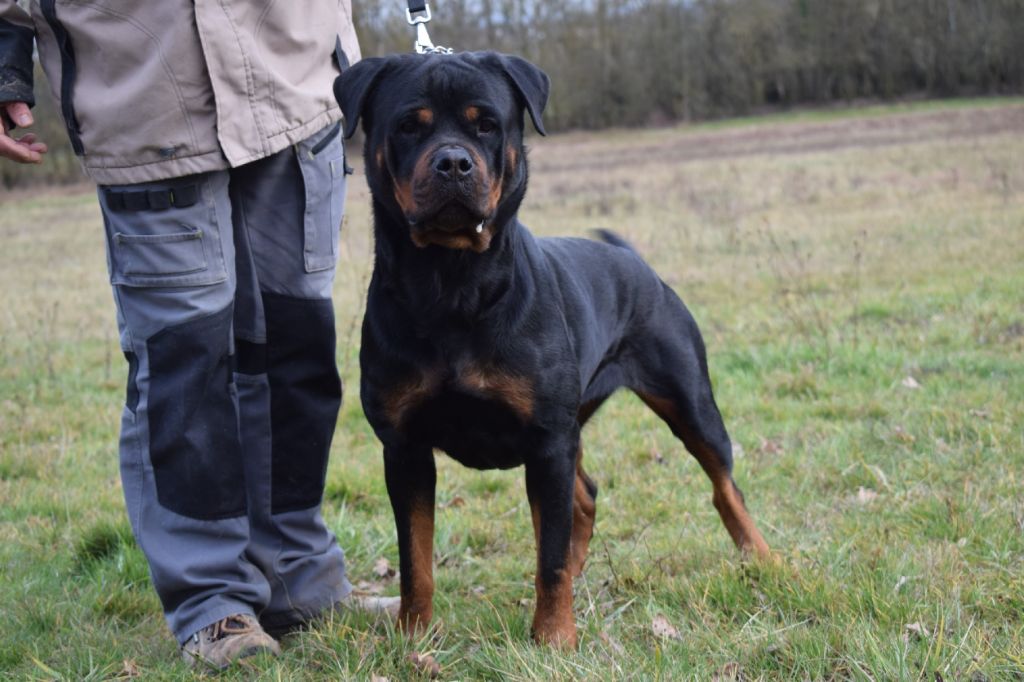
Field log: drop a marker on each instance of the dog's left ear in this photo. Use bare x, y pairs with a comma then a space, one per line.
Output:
352, 87
533, 86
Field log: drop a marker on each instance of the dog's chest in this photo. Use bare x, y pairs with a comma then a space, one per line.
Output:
481, 416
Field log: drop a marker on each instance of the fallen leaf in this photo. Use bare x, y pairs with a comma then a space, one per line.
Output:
902, 435
911, 383
770, 446
980, 414
456, 502
129, 670
664, 629
866, 495
426, 664
382, 568
918, 629
479, 590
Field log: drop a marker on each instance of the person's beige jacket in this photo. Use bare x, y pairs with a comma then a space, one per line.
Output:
153, 89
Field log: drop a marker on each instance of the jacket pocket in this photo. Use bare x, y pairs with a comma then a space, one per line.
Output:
322, 161
177, 247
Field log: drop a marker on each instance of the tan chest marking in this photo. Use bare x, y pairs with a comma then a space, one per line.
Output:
409, 395
516, 392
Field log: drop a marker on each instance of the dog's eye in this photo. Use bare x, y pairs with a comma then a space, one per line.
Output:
486, 126
409, 126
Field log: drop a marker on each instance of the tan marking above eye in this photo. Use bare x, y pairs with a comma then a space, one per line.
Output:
425, 116
472, 114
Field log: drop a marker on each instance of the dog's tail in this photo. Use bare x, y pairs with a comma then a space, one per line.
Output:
612, 238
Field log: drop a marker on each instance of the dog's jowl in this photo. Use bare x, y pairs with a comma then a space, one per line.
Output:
496, 347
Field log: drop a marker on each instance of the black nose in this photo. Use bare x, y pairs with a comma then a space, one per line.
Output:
453, 162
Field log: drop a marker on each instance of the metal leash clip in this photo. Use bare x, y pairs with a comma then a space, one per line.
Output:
424, 45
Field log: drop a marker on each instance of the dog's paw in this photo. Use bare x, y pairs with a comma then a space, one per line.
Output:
560, 636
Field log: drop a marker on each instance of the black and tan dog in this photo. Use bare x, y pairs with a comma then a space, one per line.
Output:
494, 346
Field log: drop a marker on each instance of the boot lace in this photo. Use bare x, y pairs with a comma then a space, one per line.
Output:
225, 627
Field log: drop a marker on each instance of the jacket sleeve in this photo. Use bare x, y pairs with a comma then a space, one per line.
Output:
16, 35
346, 33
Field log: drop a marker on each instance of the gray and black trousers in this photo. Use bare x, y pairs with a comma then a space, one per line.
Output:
222, 283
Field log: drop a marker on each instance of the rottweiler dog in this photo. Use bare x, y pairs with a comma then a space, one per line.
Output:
494, 346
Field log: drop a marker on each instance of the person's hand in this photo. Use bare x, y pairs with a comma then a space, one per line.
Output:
25, 149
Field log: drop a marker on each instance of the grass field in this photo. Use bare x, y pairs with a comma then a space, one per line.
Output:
860, 283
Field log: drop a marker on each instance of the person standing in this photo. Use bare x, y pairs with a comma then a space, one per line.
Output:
214, 137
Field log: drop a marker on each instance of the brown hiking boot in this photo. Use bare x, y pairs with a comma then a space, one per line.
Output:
228, 640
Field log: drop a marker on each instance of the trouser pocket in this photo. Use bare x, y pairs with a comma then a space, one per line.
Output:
322, 160
163, 234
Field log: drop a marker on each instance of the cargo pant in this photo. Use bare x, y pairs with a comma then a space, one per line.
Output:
222, 283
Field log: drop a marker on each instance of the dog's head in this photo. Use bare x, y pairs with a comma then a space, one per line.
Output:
444, 139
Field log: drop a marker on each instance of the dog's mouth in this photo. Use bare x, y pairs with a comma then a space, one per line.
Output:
451, 217
453, 225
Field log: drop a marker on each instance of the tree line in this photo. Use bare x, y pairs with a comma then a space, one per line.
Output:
644, 62
637, 62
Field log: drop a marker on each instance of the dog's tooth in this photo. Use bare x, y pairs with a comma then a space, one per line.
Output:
479, 228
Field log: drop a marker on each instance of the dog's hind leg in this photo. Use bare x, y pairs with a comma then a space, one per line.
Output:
584, 501
584, 510
710, 445
673, 380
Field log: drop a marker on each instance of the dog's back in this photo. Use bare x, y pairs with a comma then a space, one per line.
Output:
611, 298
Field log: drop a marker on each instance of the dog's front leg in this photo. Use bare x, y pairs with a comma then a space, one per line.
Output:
549, 486
411, 478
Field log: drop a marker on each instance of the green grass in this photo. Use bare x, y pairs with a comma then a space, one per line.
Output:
826, 265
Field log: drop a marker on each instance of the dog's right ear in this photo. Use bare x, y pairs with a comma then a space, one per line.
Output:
352, 87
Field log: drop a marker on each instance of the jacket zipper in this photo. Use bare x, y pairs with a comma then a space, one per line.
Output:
68, 72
